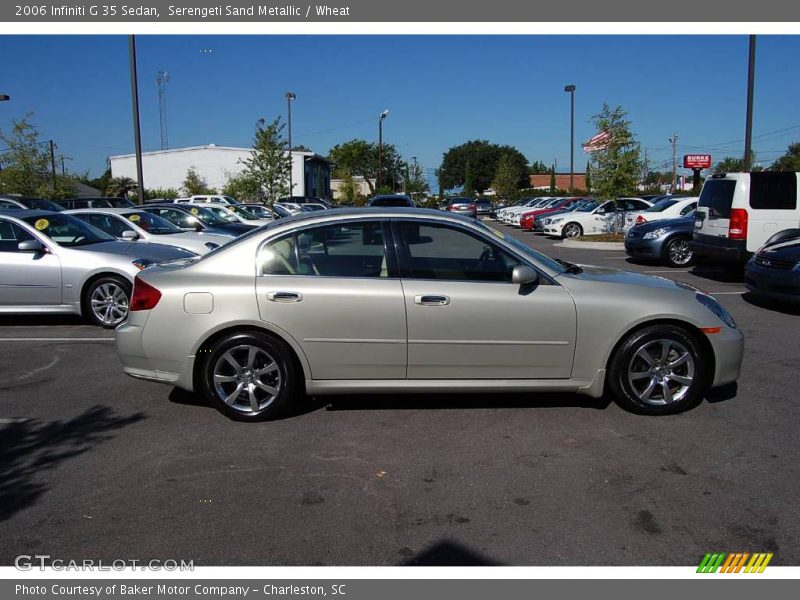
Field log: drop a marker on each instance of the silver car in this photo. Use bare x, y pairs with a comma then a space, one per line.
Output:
139, 225
54, 263
420, 301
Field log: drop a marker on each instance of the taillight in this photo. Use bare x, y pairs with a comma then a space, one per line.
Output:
145, 296
640, 219
737, 227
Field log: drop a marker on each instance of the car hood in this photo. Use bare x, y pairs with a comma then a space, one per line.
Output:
679, 223
608, 275
156, 252
789, 250
236, 228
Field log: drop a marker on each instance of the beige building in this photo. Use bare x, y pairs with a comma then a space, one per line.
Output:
362, 187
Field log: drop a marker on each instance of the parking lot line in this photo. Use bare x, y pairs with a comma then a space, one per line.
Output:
669, 271
63, 339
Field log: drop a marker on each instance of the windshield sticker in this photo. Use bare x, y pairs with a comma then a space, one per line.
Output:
41, 224
195, 212
134, 218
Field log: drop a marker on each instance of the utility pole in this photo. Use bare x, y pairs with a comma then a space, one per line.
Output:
63, 168
53, 163
674, 141
645, 170
137, 132
162, 78
748, 128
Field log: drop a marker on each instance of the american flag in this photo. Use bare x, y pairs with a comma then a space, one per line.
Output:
597, 142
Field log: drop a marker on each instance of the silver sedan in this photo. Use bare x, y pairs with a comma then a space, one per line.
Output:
53, 263
419, 301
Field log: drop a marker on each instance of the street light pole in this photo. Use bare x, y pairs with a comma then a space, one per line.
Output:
571, 90
674, 141
137, 133
289, 97
382, 116
748, 128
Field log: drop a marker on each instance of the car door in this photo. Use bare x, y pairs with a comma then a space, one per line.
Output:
26, 278
601, 220
336, 290
466, 320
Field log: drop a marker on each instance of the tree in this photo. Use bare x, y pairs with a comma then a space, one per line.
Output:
348, 189
789, 161
588, 178
553, 179
26, 161
735, 165
506, 178
616, 168
194, 184
482, 158
269, 163
242, 187
120, 187
164, 193
538, 168
360, 157
416, 180
468, 179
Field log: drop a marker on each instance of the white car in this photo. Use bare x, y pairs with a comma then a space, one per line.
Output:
666, 208
507, 214
517, 216
137, 225
207, 199
236, 214
593, 217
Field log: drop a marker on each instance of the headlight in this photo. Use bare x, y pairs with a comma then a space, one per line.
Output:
211, 245
656, 233
555, 221
143, 263
715, 307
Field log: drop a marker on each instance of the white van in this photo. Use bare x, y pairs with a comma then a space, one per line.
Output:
738, 212
207, 199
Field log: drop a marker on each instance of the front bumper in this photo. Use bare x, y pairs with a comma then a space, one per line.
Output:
776, 284
728, 346
641, 248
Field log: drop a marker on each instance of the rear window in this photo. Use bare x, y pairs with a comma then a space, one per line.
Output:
773, 191
661, 206
389, 202
717, 197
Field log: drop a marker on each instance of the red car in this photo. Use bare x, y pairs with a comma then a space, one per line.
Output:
526, 222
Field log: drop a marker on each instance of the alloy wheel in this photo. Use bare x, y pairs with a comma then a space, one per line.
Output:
109, 303
679, 252
572, 231
661, 372
247, 379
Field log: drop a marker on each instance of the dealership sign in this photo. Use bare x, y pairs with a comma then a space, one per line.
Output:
697, 161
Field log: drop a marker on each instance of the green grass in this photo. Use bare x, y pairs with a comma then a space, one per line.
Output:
601, 237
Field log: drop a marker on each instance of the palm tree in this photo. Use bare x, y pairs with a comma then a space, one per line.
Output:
120, 187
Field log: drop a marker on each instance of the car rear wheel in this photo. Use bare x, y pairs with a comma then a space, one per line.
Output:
677, 253
571, 230
249, 376
658, 370
106, 300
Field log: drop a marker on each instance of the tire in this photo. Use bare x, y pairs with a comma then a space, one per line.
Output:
571, 230
106, 301
639, 386
249, 376
677, 253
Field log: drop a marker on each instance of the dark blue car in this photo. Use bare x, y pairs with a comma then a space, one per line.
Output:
665, 241
774, 271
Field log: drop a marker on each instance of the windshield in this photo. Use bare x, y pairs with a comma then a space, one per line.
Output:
389, 202
119, 203
588, 207
229, 217
525, 249
68, 231
207, 216
260, 211
40, 204
661, 206
151, 223
242, 212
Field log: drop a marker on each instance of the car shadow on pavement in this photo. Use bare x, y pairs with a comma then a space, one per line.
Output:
447, 553
781, 307
40, 320
720, 274
460, 401
31, 448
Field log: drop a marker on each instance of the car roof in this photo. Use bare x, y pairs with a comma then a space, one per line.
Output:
104, 209
24, 213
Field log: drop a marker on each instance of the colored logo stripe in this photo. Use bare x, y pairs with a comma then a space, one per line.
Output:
734, 562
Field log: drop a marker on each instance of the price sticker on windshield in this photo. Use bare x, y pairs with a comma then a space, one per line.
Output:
41, 224
194, 211
134, 218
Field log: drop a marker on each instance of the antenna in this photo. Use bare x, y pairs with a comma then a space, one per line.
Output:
162, 78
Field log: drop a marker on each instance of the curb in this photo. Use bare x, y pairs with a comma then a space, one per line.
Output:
592, 245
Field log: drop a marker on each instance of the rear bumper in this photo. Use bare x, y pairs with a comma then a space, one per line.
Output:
733, 251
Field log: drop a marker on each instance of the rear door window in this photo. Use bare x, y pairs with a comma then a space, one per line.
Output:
717, 197
773, 191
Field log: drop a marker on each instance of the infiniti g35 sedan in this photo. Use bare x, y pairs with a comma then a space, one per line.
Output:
54, 263
396, 300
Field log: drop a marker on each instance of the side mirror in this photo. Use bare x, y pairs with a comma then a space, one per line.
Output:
31, 246
524, 275
130, 235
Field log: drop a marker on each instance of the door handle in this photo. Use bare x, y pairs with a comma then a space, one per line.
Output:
432, 300
284, 296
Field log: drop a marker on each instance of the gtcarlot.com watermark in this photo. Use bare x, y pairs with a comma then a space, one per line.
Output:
29, 562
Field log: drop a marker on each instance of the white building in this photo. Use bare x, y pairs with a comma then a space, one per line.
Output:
215, 164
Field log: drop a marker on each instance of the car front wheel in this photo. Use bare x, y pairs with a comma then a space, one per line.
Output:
106, 301
658, 370
249, 376
677, 253
571, 230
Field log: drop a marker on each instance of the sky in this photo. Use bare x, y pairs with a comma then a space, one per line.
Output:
440, 90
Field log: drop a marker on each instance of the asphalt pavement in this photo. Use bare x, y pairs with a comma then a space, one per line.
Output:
94, 464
